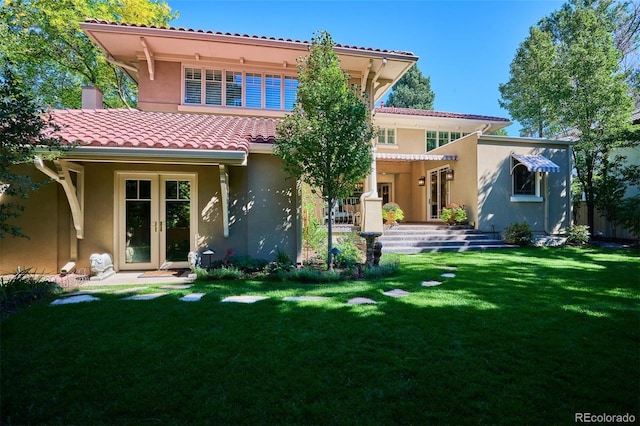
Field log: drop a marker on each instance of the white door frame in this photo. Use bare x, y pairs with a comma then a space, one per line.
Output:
440, 177
158, 227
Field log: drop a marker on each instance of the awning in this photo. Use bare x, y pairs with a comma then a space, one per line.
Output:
415, 157
537, 163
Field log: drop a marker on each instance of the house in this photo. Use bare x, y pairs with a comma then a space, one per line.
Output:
192, 168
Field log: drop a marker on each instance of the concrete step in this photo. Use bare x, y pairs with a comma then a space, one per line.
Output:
434, 249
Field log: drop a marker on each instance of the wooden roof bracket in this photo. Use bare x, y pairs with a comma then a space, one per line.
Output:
151, 64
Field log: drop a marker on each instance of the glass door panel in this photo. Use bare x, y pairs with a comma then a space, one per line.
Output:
177, 221
139, 217
438, 192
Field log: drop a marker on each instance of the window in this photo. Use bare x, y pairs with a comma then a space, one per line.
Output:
526, 184
192, 85
455, 135
386, 136
443, 138
233, 89
273, 86
249, 90
254, 91
290, 92
213, 87
432, 140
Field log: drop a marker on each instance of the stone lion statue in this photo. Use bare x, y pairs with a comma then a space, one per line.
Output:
101, 266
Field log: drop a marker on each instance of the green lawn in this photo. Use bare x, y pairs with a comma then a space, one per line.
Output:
527, 336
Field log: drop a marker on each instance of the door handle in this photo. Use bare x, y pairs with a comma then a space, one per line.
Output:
155, 226
160, 226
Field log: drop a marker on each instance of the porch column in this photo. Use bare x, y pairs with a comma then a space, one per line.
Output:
224, 198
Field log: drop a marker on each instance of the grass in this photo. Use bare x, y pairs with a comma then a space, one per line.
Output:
520, 336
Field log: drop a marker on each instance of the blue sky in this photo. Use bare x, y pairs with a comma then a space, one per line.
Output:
464, 46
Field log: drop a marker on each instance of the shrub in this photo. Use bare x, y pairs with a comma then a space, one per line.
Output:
519, 234
392, 213
349, 254
389, 265
219, 274
578, 235
629, 216
23, 288
453, 213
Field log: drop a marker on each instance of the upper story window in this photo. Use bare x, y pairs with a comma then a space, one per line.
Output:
386, 136
237, 89
435, 138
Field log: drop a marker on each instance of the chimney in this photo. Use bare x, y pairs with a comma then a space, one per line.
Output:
91, 98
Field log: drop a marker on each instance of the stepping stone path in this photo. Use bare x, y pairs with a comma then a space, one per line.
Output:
396, 293
129, 290
193, 297
74, 299
244, 299
448, 275
431, 283
149, 296
361, 301
304, 298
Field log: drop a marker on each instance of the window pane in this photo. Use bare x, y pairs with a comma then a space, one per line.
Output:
131, 189
273, 85
432, 140
391, 136
145, 190
254, 91
290, 92
381, 136
443, 138
455, 135
524, 181
234, 89
213, 87
171, 189
192, 85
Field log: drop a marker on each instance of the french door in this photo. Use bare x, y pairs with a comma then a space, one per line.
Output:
156, 220
438, 192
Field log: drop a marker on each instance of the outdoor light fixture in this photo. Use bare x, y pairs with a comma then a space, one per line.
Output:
208, 253
449, 174
421, 181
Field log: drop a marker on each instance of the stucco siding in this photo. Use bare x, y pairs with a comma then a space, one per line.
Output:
164, 92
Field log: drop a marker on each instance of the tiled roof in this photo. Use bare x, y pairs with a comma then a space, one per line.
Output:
143, 129
246, 36
439, 114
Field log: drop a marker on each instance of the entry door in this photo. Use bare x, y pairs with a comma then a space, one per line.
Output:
438, 192
384, 192
156, 220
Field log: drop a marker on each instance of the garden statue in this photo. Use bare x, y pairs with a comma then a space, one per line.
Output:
101, 265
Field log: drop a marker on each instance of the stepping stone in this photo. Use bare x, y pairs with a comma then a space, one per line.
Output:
304, 298
193, 297
431, 283
149, 296
74, 299
176, 287
129, 290
361, 301
450, 268
244, 299
448, 275
396, 293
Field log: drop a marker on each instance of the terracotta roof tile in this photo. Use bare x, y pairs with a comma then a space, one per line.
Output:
191, 30
144, 129
440, 114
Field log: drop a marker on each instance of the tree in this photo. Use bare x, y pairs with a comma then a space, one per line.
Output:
23, 131
43, 39
413, 90
326, 140
584, 90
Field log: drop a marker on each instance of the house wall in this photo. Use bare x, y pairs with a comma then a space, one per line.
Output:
262, 215
165, 91
496, 211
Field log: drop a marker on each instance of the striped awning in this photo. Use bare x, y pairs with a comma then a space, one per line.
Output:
415, 157
537, 163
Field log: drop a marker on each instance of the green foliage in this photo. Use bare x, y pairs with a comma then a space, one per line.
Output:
23, 288
44, 40
392, 213
578, 235
326, 140
413, 90
453, 213
22, 135
314, 233
349, 254
519, 234
389, 266
629, 216
244, 263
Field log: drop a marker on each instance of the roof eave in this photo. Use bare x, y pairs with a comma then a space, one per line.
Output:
157, 155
